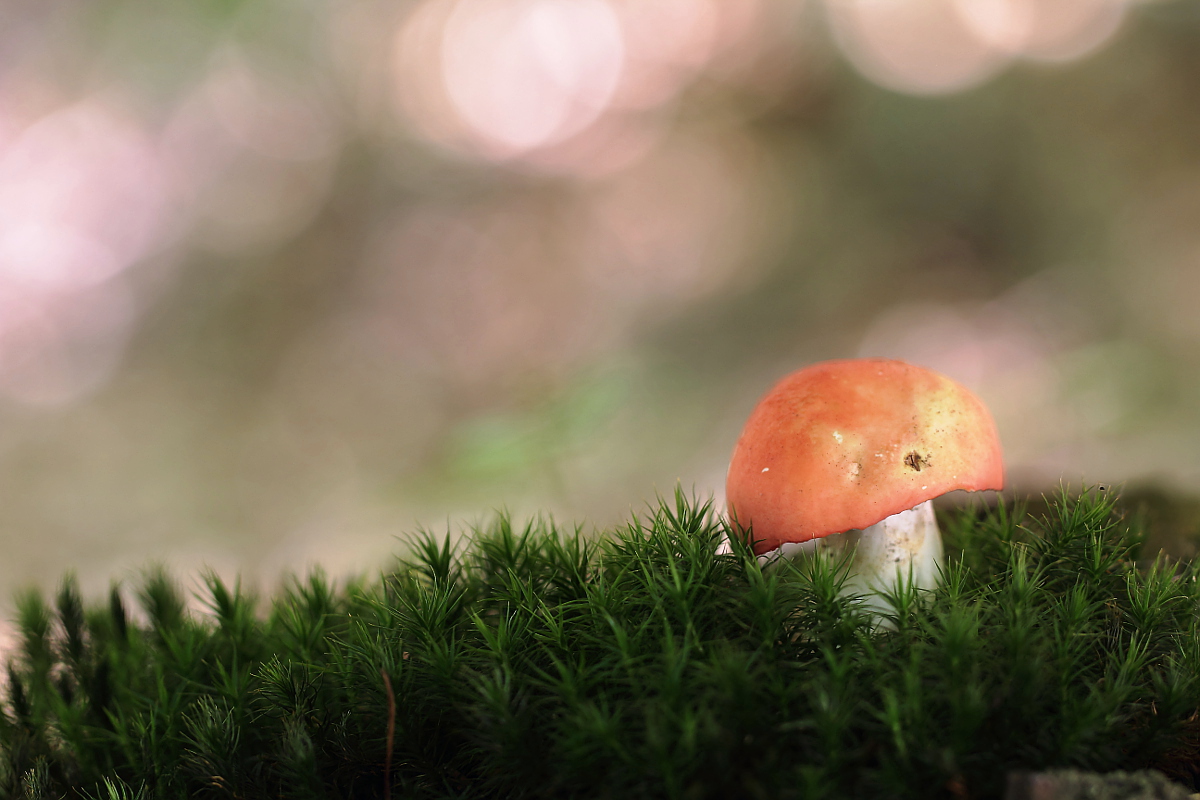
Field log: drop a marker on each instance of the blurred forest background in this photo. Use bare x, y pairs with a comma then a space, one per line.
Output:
283, 279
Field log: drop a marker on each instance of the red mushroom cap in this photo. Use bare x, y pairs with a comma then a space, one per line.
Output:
841, 445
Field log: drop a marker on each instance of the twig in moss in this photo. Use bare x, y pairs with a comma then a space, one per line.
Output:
391, 735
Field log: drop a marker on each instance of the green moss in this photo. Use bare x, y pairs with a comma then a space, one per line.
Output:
533, 662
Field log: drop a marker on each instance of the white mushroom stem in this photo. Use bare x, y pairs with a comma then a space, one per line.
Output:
886, 553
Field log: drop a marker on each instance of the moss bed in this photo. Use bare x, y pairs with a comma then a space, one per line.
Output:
529, 661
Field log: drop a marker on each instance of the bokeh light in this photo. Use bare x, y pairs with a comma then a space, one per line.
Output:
83, 196
507, 78
945, 46
917, 46
524, 75
1055, 31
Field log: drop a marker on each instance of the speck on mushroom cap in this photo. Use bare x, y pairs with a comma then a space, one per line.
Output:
841, 445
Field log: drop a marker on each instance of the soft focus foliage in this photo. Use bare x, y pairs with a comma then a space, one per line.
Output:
277, 278
534, 662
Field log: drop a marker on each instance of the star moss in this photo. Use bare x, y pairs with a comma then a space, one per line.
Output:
531, 662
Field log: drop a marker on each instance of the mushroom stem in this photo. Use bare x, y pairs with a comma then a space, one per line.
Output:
886, 553
890, 551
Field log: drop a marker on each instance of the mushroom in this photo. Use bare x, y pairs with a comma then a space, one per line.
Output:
861, 447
